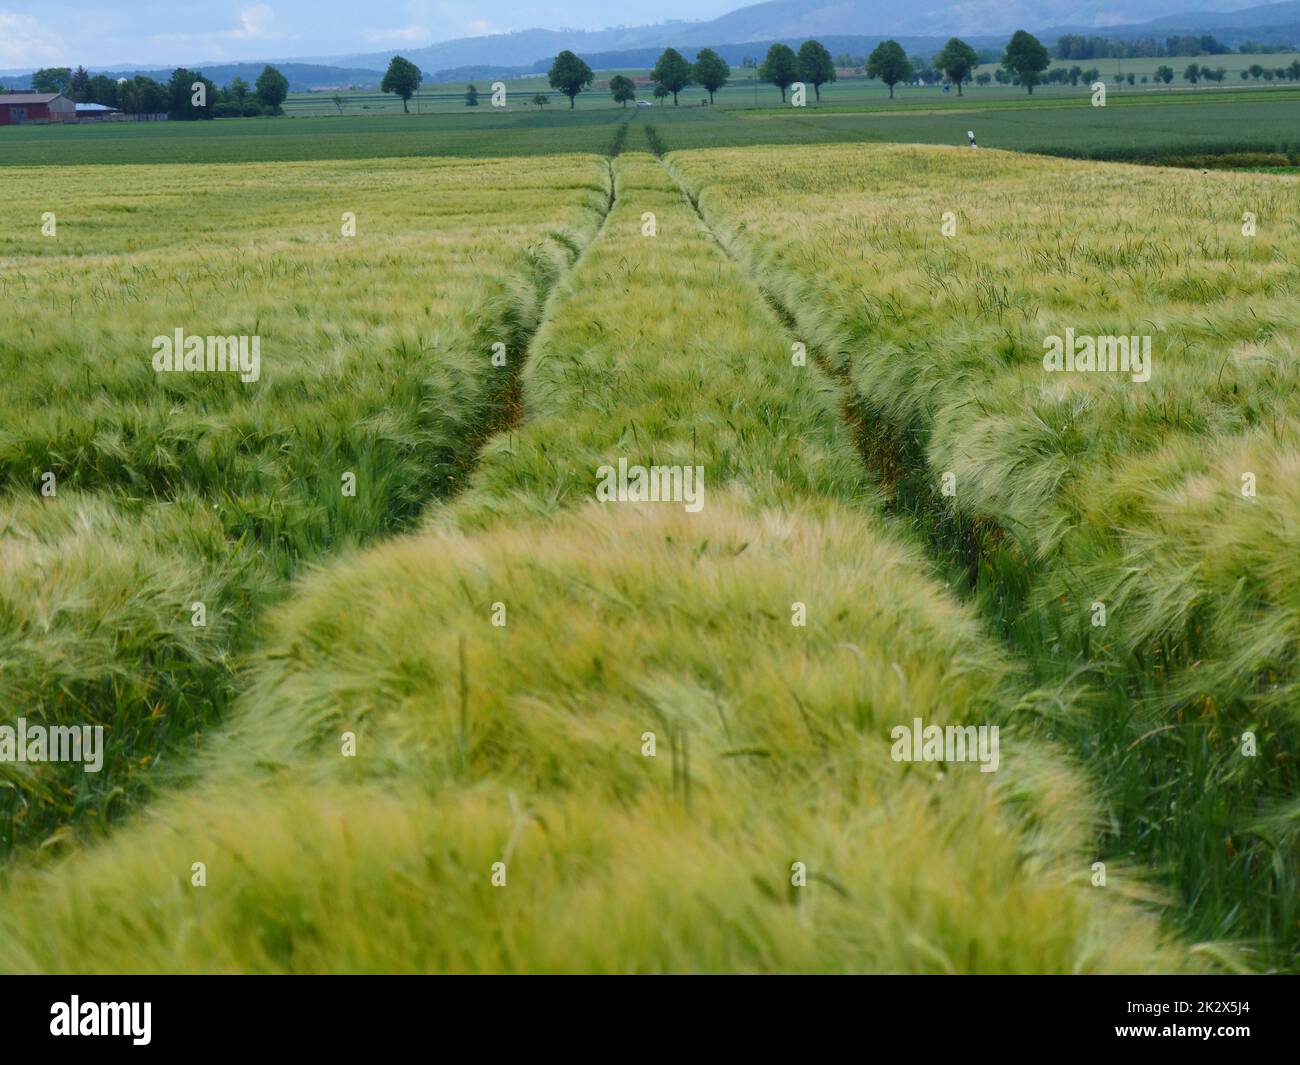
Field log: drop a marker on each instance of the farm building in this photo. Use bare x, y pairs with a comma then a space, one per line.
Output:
97, 113
24, 108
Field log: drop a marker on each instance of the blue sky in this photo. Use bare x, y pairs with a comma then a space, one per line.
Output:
146, 32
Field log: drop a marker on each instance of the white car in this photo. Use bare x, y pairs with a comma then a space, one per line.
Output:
644, 103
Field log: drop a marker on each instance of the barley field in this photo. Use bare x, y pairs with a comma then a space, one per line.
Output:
1173, 503
451, 706
131, 495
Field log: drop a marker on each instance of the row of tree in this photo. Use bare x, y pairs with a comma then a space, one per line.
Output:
812, 66
1024, 61
1193, 72
672, 73
178, 97
1079, 46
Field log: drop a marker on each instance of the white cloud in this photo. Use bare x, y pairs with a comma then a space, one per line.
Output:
402, 35
255, 23
25, 42
465, 19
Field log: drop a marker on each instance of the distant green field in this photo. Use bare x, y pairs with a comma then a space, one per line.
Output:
239, 140
1152, 127
1146, 131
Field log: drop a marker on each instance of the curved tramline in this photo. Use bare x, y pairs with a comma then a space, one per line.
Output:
557, 730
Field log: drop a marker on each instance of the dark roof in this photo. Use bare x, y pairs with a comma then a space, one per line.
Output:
28, 97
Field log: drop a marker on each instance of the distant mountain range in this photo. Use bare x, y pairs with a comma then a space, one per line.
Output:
842, 25
797, 20
1250, 18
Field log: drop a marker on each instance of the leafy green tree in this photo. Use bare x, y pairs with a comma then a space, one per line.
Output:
102, 89
541, 100
890, 64
661, 93
711, 71
77, 83
815, 66
271, 87
957, 60
238, 91
471, 96
180, 96
780, 68
569, 75
337, 99
52, 79
143, 96
672, 72
1076, 72
126, 99
1192, 73
1026, 58
622, 88
402, 78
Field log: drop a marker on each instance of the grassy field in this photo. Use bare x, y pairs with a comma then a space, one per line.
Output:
1185, 127
475, 717
1172, 131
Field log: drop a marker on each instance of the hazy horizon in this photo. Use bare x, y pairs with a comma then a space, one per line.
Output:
148, 33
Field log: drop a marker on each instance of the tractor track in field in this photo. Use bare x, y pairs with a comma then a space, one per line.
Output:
508, 400
884, 449
974, 550
888, 450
